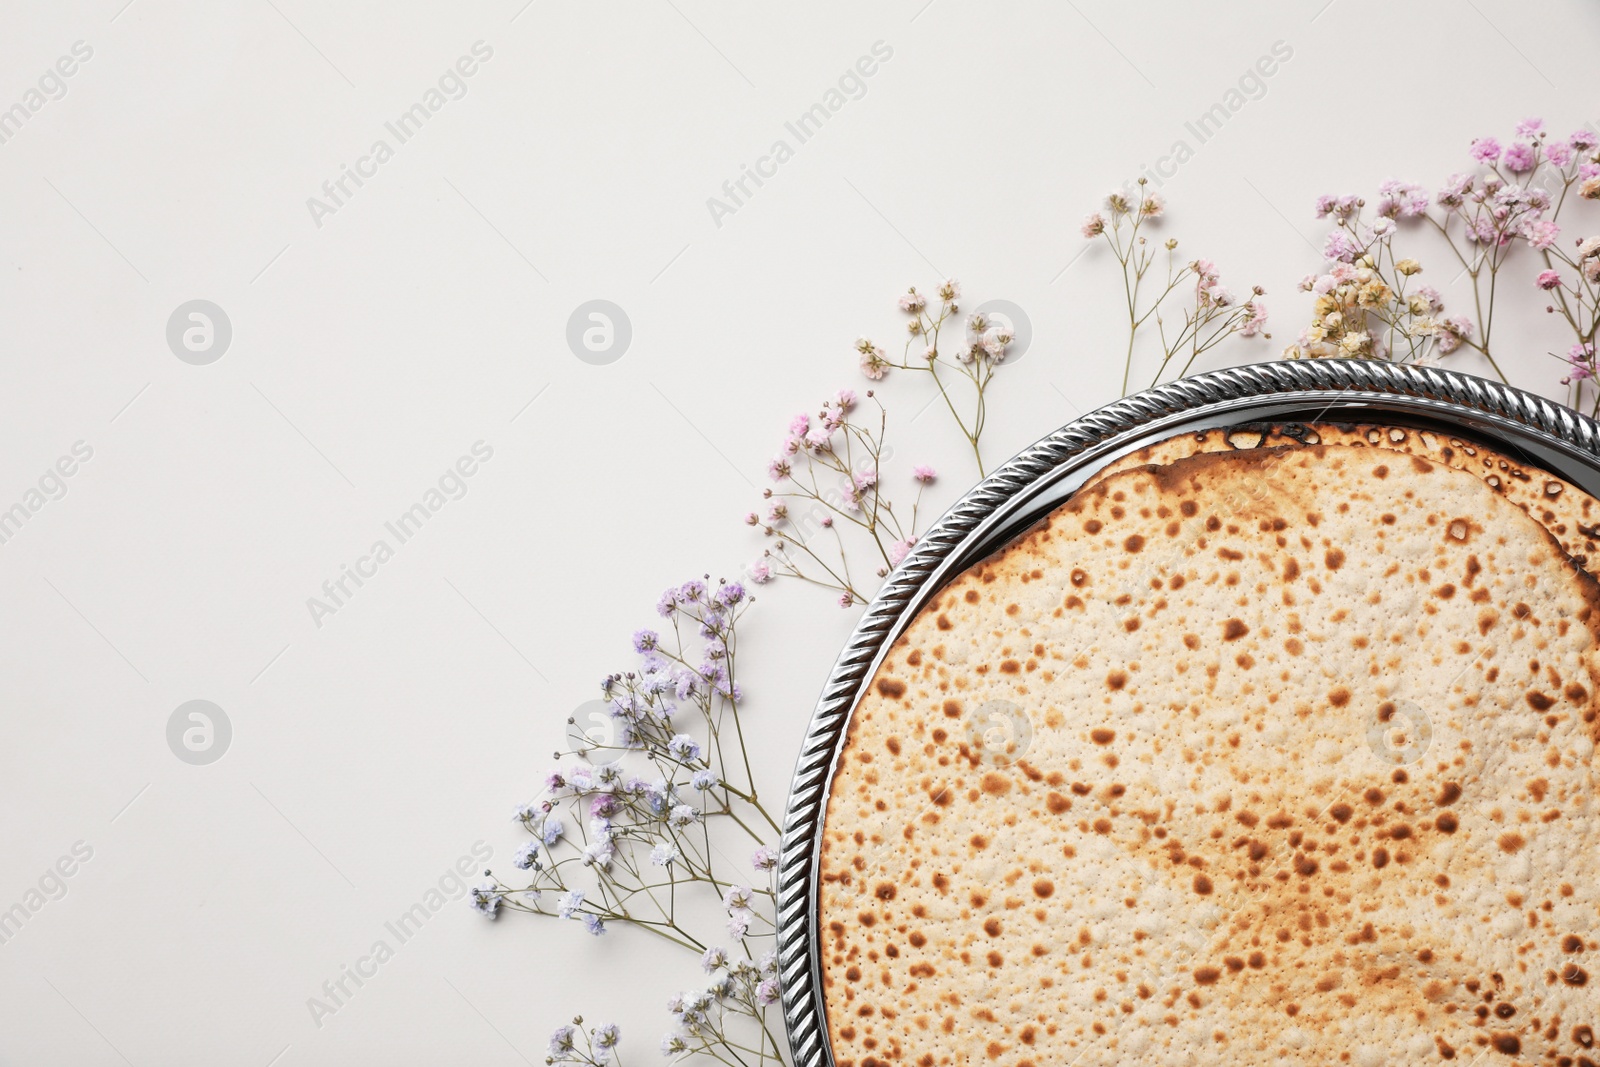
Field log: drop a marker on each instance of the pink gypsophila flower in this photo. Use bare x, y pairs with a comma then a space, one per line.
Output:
1530, 127
1581, 356
1257, 319
1486, 150
1339, 246
1402, 199
899, 550
925, 475
1548, 279
1541, 233
1521, 158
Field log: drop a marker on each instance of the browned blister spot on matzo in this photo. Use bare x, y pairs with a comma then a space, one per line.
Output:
1200, 858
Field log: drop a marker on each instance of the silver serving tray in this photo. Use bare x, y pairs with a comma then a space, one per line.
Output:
1530, 428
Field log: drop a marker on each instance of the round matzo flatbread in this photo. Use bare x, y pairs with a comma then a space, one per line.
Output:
1274, 755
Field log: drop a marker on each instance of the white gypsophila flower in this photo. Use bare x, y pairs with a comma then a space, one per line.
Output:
562, 1043
486, 899
682, 747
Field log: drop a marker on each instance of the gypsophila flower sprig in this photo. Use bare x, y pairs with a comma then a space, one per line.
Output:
829, 497
627, 840
713, 1020
1211, 313
1367, 305
594, 1047
972, 358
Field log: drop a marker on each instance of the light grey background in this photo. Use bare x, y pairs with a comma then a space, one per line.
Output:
429, 312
